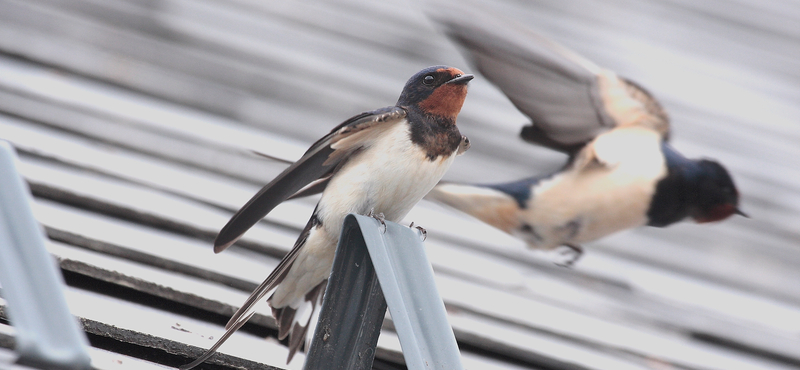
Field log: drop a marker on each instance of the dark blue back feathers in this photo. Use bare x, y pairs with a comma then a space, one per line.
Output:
520, 190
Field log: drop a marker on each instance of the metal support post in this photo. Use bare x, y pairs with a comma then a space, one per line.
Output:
47, 335
353, 308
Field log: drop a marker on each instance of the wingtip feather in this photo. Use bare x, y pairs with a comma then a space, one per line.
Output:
223, 240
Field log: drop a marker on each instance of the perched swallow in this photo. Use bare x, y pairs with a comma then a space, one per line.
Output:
621, 172
378, 163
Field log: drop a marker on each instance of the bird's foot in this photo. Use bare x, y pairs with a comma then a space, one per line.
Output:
422, 232
378, 216
569, 254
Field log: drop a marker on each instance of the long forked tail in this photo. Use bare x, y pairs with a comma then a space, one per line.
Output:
244, 313
294, 322
210, 352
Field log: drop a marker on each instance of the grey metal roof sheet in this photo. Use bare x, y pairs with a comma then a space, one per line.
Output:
135, 123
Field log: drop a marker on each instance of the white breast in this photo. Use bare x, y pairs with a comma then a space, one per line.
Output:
391, 176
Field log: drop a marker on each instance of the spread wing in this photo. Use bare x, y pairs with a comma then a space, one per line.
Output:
318, 162
570, 99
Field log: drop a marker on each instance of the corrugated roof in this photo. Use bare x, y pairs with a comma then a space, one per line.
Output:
135, 122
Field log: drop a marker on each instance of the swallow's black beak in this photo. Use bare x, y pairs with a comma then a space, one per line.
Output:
740, 213
461, 80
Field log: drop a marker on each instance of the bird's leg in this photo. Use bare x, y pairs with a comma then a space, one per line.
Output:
380, 217
423, 233
571, 254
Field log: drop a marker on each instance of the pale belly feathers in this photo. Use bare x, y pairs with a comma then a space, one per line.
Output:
579, 206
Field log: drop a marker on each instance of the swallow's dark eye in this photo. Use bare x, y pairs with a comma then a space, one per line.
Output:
427, 80
457, 76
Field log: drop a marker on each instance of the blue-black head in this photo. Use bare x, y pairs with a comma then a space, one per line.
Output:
716, 197
700, 189
438, 91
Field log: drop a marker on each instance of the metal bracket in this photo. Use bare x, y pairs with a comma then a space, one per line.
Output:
354, 307
47, 335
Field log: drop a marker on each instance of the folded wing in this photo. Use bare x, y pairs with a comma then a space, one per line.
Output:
318, 162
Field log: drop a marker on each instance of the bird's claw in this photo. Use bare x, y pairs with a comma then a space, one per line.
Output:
380, 217
570, 254
422, 232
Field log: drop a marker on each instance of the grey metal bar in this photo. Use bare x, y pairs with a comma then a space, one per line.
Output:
353, 309
417, 310
47, 335
398, 259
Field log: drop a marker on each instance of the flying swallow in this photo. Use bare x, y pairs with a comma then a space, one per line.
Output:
379, 163
621, 174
